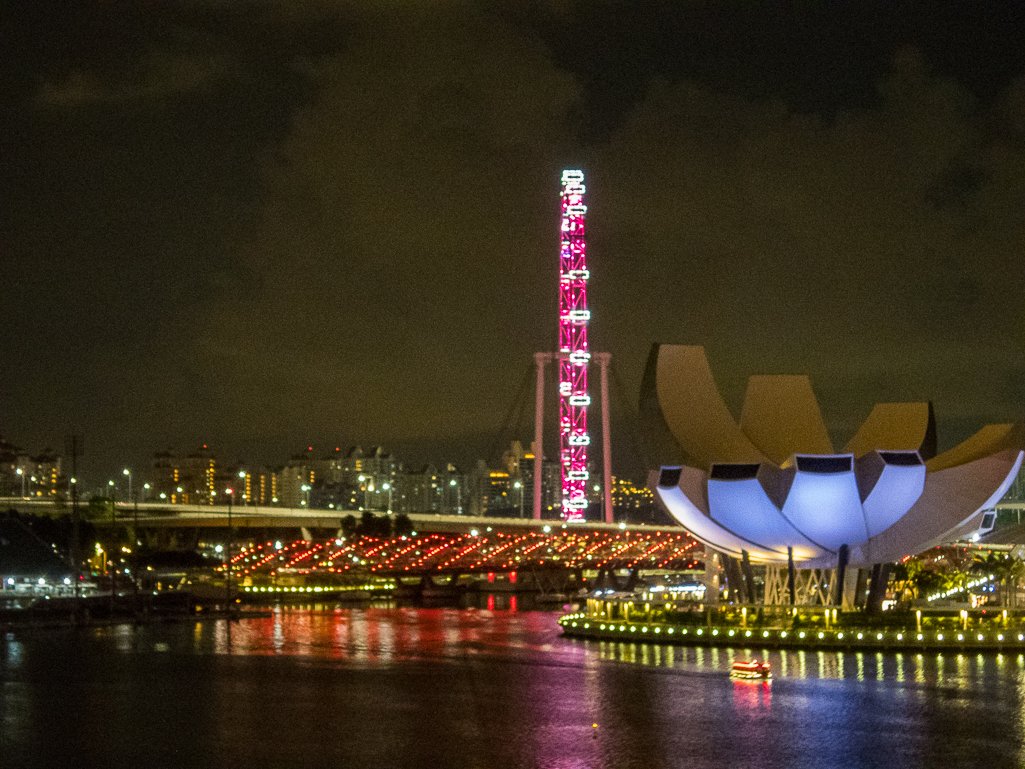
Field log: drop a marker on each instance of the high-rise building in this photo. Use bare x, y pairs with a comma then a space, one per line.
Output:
23, 475
189, 480
633, 503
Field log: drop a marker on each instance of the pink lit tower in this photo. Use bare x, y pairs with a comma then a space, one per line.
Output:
574, 356
574, 359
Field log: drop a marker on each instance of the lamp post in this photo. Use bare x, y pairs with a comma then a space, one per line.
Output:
111, 547
75, 555
519, 485
458, 495
135, 543
21, 472
227, 555
128, 472
387, 487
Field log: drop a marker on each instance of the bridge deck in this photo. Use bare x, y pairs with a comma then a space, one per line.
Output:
159, 515
465, 553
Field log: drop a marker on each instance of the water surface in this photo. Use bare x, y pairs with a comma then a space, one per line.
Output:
325, 686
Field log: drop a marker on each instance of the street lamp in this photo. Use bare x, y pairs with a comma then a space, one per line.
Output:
227, 554
128, 472
459, 500
387, 487
112, 548
21, 472
519, 485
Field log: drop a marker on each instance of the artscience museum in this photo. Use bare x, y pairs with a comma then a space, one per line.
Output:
773, 487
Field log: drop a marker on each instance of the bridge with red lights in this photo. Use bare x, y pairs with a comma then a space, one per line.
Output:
570, 551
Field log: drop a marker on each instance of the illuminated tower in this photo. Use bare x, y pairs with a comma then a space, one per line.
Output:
574, 356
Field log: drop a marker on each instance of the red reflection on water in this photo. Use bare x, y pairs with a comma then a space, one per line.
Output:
752, 697
512, 600
491, 603
379, 636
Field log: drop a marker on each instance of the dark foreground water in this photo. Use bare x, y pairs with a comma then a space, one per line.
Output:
322, 686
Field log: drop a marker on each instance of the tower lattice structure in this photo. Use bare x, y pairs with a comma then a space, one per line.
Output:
574, 356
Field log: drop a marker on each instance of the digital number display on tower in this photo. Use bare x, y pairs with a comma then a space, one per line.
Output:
574, 356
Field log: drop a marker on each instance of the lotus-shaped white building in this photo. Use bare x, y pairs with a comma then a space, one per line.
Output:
775, 485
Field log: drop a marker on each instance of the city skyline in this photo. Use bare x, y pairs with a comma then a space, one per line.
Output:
353, 481
267, 232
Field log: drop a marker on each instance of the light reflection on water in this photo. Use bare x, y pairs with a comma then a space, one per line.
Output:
384, 686
938, 668
384, 635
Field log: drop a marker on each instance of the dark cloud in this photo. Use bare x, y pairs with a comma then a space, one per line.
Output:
161, 74
257, 225
877, 251
407, 219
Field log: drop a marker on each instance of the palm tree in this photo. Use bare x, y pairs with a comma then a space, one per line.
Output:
1003, 567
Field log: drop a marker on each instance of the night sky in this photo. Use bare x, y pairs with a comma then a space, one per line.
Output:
267, 225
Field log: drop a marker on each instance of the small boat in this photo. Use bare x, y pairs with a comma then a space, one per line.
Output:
750, 669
